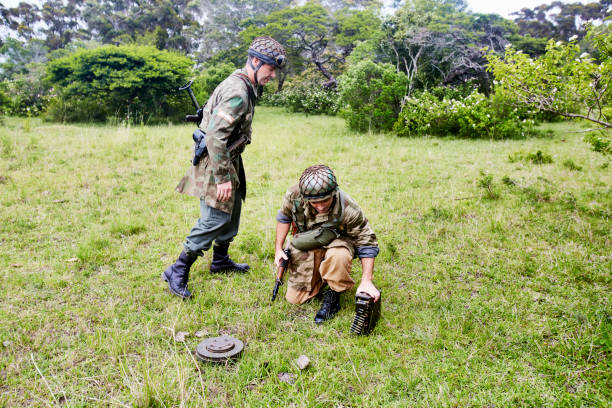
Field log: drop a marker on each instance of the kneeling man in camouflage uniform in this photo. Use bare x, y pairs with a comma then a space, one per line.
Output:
329, 231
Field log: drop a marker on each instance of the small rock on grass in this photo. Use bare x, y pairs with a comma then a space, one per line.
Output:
287, 378
180, 336
6, 343
201, 333
302, 362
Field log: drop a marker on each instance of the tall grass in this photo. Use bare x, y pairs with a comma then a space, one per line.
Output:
495, 273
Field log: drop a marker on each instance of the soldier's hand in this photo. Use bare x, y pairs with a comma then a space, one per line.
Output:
280, 254
369, 288
224, 191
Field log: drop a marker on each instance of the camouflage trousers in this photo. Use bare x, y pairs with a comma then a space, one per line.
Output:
310, 270
213, 225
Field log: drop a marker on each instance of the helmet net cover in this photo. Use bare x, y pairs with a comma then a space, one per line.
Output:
269, 50
317, 182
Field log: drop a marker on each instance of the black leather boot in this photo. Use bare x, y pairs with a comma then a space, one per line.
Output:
177, 275
221, 261
330, 306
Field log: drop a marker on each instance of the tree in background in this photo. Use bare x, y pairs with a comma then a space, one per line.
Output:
372, 94
435, 42
21, 19
124, 81
559, 20
315, 35
563, 81
61, 23
164, 23
221, 24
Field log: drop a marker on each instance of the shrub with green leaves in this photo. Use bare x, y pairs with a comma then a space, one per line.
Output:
303, 93
306, 98
599, 143
5, 101
134, 83
371, 95
205, 83
27, 92
475, 116
564, 81
485, 181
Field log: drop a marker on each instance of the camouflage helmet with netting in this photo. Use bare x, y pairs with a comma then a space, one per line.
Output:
269, 51
318, 182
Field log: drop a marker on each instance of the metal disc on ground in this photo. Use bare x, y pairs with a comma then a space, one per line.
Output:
219, 349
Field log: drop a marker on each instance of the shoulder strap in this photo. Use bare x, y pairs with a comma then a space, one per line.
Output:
247, 82
297, 214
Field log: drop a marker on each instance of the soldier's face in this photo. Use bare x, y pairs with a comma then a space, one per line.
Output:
266, 73
321, 206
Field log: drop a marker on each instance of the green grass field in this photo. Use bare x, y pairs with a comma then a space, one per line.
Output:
495, 273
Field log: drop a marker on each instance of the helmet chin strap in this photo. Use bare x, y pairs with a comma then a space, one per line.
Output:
255, 69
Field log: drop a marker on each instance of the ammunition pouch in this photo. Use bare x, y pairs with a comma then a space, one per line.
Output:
200, 149
315, 238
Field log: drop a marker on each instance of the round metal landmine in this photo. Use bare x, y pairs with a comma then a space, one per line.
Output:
219, 349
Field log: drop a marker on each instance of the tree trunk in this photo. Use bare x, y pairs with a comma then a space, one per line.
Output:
331, 82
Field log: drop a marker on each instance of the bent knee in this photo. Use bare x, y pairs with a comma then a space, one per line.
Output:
339, 254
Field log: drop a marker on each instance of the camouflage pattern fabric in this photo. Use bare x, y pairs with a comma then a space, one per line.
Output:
228, 108
317, 182
268, 47
354, 228
302, 263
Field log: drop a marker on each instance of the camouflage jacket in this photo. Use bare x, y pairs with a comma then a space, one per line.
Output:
355, 232
227, 116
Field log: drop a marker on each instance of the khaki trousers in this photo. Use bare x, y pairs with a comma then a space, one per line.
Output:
331, 266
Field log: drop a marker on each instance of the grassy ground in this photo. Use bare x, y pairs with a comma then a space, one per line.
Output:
495, 273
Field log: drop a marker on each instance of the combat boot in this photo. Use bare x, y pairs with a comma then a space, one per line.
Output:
330, 306
221, 261
177, 275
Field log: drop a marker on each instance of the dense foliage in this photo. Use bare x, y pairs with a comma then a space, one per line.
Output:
206, 81
371, 95
136, 83
431, 44
304, 98
563, 81
303, 93
475, 116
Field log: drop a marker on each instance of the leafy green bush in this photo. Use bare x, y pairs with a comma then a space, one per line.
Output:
206, 82
485, 181
474, 116
452, 92
303, 93
134, 83
304, 97
563, 81
5, 101
599, 143
28, 93
371, 95
76, 110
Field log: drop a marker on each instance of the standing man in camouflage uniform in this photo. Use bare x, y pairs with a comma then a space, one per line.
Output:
331, 231
218, 180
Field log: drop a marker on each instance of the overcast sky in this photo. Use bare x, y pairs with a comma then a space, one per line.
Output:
503, 8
